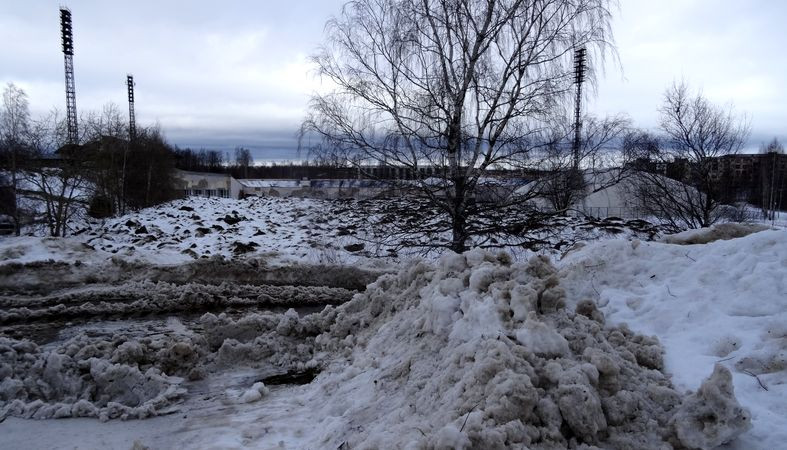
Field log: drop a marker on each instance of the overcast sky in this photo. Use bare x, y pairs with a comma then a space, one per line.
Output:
237, 73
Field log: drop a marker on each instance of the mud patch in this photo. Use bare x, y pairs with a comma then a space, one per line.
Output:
294, 377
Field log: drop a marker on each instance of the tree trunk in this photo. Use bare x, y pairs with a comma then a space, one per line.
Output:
459, 216
458, 232
122, 199
15, 206
147, 191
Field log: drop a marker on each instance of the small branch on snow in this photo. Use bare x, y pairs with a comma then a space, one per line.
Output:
670, 292
755, 377
725, 359
687, 256
468, 416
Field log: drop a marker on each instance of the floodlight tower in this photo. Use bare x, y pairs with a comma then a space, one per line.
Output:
132, 124
67, 36
579, 77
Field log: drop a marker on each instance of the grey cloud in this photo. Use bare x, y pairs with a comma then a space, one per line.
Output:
236, 74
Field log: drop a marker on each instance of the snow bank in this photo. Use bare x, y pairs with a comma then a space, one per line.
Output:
473, 351
724, 302
26, 249
478, 352
141, 371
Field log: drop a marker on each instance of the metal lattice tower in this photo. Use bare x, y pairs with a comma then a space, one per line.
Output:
132, 123
579, 77
68, 52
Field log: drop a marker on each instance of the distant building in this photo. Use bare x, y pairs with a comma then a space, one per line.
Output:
335, 188
760, 179
204, 184
747, 168
757, 178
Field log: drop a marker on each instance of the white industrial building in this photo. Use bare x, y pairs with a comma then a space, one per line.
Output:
204, 184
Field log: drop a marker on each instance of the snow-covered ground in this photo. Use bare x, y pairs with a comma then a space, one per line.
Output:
282, 229
460, 351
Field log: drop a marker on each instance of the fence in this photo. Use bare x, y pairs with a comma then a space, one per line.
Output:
602, 212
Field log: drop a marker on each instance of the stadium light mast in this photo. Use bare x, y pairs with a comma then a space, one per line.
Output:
579, 78
132, 123
67, 39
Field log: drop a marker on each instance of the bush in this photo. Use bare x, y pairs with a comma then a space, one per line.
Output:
101, 207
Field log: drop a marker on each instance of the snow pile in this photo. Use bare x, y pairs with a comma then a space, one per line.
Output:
196, 228
480, 352
724, 302
143, 371
26, 249
475, 351
82, 379
270, 341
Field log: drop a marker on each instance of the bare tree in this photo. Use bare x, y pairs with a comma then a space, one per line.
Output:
107, 146
772, 179
150, 171
773, 146
58, 185
14, 142
243, 160
453, 87
212, 160
685, 193
643, 147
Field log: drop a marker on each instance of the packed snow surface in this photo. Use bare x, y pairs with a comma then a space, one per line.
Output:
723, 302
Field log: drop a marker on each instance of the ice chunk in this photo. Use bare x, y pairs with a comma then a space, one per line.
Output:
712, 416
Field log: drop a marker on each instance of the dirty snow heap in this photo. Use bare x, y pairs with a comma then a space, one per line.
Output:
480, 352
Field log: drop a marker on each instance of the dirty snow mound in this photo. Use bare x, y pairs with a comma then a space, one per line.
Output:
478, 352
83, 379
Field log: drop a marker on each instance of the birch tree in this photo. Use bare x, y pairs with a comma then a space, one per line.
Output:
14, 137
457, 86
